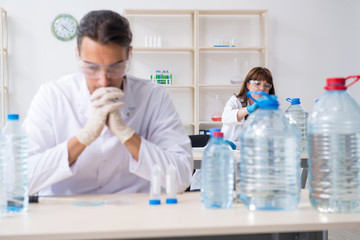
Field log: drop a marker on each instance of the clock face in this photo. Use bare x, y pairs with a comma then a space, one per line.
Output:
64, 27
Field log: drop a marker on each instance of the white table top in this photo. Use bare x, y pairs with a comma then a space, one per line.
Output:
130, 216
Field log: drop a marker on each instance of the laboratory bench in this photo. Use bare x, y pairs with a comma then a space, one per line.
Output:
129, 216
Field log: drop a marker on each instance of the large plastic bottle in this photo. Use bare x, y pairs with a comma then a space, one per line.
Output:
334, 150
217, 174
297, 112
16, 153
270, 158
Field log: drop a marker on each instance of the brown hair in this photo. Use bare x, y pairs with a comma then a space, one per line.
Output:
105, 27
257, 73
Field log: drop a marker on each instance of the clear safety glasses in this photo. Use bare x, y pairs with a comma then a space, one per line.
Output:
96, 71
258, 83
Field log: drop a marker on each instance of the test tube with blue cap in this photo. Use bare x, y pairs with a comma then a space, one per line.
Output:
171, 185
155, 185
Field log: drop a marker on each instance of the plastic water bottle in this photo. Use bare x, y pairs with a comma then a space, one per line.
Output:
3, 184
217, 174
270, 158
297, 112
16, 153
334, 150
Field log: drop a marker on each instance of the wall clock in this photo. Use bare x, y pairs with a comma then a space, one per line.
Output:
64, 27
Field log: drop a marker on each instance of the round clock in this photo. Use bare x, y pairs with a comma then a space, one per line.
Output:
64, 27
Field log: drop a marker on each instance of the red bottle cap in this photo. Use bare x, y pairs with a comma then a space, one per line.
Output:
335, 84
218, 134
339, 83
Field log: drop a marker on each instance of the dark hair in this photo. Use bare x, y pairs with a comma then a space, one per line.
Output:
257, 73
105, 27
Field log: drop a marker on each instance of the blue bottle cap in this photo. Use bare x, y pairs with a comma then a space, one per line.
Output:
266, 101
13, 116
171, 201
212, 130
154, 202
293, 101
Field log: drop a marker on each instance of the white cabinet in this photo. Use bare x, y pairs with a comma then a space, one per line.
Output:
4, 67
199, 47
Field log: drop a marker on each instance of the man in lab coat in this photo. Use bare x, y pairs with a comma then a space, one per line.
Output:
101, 130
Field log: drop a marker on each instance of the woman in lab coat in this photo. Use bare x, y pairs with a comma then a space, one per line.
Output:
101, 130
240, 105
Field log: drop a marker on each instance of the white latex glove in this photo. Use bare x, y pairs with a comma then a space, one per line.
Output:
104, 101
118, 127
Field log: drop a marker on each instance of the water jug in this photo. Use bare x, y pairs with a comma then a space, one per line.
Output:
297, 112
269, 158
334, 150
217, 174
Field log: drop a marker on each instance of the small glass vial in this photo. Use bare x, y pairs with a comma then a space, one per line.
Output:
155, 41
159, 42
155, 186
146, 41
150, 41
171, 185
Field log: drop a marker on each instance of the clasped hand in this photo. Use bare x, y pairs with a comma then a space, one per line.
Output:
105, 107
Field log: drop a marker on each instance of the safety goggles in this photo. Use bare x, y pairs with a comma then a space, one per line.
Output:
258, 83
96, 71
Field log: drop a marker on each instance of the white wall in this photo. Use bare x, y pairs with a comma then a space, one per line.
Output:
309, 40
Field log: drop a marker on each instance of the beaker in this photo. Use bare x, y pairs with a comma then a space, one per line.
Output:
236, 79
216, 116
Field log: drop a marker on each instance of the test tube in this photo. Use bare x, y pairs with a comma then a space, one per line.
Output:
158, 42
146, 41
171, 185
155, 186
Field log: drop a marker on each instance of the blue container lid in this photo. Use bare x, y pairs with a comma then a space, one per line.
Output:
268, 102
212, 130
293, 101
13, 116
171, 201
154, 201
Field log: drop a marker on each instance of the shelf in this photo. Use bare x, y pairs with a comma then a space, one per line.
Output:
177, 86
157, 12
188, 11
148, 49
5, 89
4, 67
210, 123
221, 49
220, 85
201, 72
232, 12
188, 123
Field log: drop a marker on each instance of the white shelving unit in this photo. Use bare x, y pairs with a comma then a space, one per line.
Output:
4, 67
200, 70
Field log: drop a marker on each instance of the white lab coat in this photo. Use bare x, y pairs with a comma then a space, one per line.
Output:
60, 108
231, 126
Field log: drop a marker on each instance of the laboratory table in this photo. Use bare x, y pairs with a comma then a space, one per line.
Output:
129, 216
